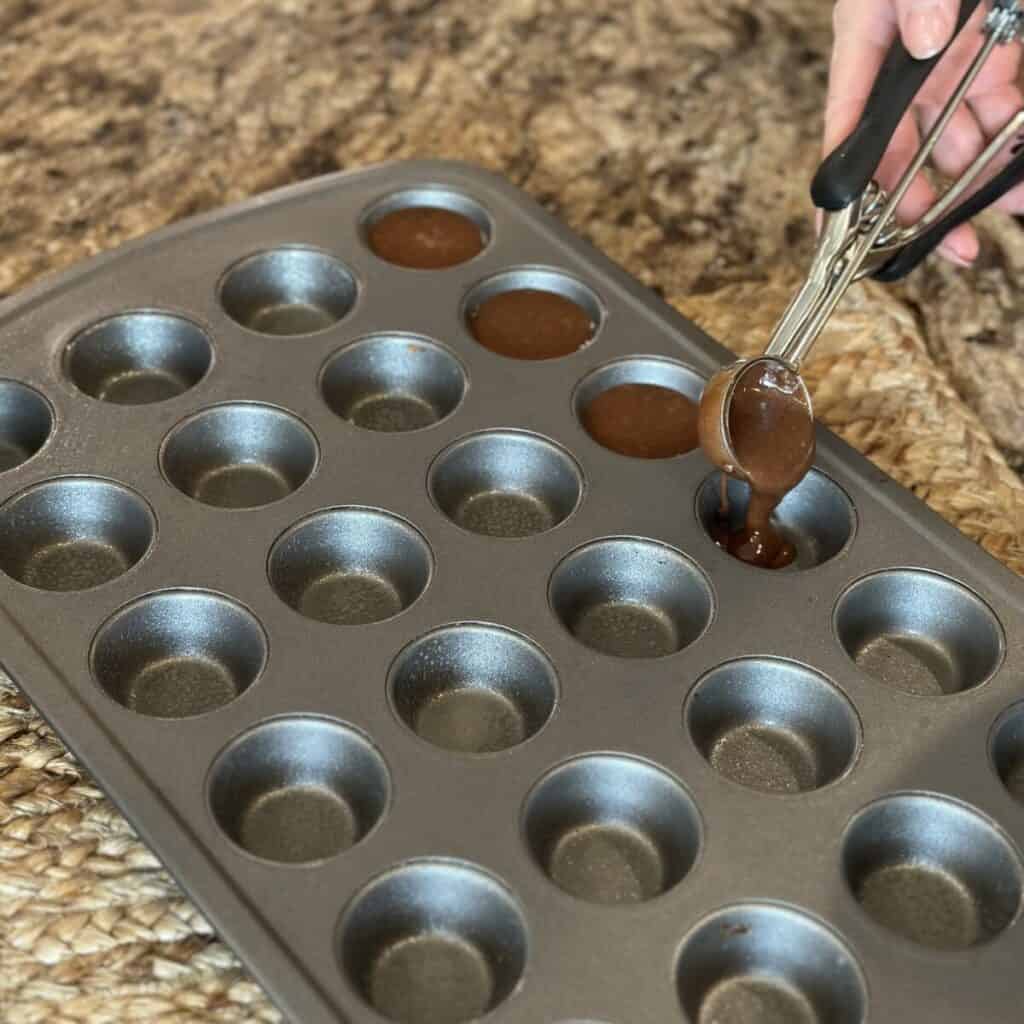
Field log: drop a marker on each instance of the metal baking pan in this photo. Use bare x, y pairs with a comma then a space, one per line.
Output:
410, 770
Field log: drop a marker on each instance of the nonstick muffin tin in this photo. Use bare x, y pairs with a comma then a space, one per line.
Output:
441, 710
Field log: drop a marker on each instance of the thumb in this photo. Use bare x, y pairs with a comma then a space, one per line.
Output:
926, 26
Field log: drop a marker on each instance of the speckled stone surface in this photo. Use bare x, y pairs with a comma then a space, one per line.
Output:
678, 135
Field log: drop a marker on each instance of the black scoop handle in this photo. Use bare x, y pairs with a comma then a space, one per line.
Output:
848, 171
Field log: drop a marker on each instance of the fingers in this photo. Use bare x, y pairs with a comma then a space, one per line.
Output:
1013, 201
956, 149
960, 245
959, 144
864, 30
993, 110
926, 26
1000, 67
920, 196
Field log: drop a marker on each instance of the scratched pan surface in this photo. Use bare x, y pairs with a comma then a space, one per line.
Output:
474, 718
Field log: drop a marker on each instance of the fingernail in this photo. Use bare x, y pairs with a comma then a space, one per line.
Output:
926, 32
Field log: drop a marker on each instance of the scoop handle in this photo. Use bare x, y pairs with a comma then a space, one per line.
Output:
846, 173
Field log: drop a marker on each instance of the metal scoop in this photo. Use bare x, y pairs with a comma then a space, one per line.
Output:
860, 236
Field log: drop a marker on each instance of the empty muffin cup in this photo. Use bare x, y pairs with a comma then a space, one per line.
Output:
816, 517
287, 291
642, 407
612, 829
505, 483
393, 383
532, 313
473, 688
1007, 750
433, 942
73, 533
26, 422
239, 455
631, 598
932, 870
773, 725
426, 228
761, 963
350, 566
178, 653
138, 358
919, 632
299, 789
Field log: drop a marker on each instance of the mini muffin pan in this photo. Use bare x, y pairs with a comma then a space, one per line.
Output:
442, 711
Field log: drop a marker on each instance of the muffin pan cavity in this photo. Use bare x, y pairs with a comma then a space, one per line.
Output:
1007, 751
504, 483
763, 963
612, 829
297, 790
533, 313
350, 566
240, 455
473, 688
179, 653
773, 725
26, 422
434, 942
644, 408
933, 871
427, 228
816, 517
288, 291
393, 383
919, 633
631, 598
138, 358
73, 533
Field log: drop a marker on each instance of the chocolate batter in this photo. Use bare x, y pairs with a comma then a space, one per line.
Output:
642, 420
531, 324
425, 238
771, 429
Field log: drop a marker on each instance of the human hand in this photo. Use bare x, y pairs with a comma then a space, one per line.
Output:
864, 31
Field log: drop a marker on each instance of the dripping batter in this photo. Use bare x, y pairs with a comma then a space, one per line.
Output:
771, 430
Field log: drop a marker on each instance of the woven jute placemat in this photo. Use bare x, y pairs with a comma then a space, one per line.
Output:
678, 136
